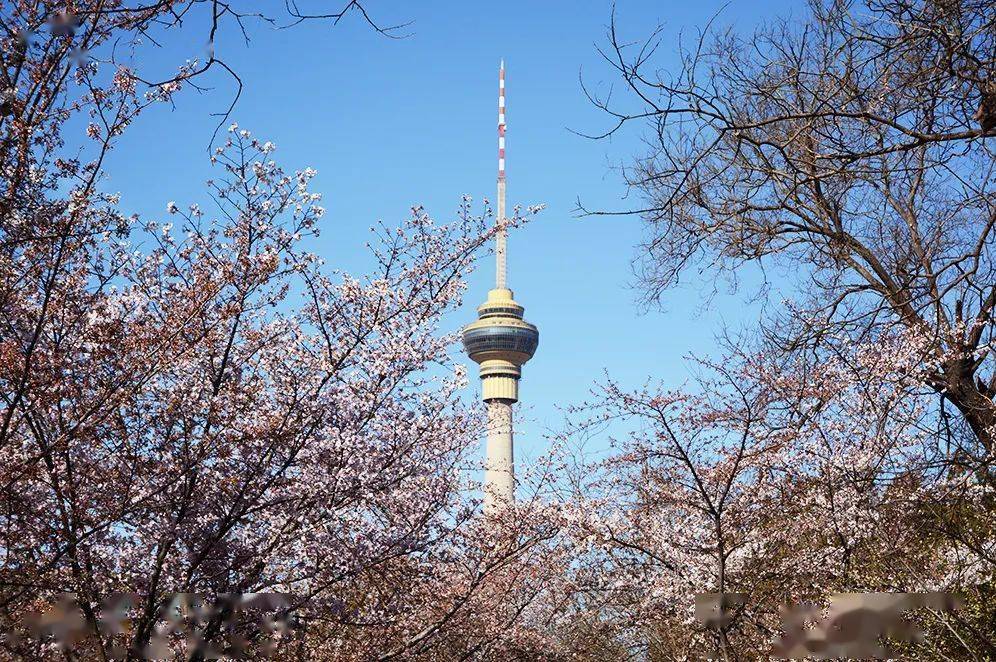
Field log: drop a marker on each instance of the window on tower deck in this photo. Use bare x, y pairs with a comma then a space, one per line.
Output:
502, 310
501, 338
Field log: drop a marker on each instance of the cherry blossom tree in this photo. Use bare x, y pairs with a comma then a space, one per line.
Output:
180, 433
780, 485
197, 405
680, 508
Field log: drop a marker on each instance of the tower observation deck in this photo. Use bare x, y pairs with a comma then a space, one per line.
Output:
500, 341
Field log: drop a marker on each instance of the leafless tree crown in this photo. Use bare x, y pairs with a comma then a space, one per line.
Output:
856, 145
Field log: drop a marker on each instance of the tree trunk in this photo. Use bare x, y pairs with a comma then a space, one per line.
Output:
977, 407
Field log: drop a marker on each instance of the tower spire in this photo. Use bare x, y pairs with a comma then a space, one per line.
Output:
501, 237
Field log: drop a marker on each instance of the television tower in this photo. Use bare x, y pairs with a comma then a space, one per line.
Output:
500, 341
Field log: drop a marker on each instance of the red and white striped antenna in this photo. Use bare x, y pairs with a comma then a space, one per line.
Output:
500, 238
501, 120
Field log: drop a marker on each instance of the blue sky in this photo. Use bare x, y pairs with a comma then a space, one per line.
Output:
392, 123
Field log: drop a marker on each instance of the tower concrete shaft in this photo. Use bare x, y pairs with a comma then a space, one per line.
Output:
500, 341
499, 468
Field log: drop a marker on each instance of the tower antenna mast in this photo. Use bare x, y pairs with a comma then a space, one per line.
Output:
501, 236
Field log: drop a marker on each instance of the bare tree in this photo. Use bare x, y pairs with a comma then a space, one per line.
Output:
855, 146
